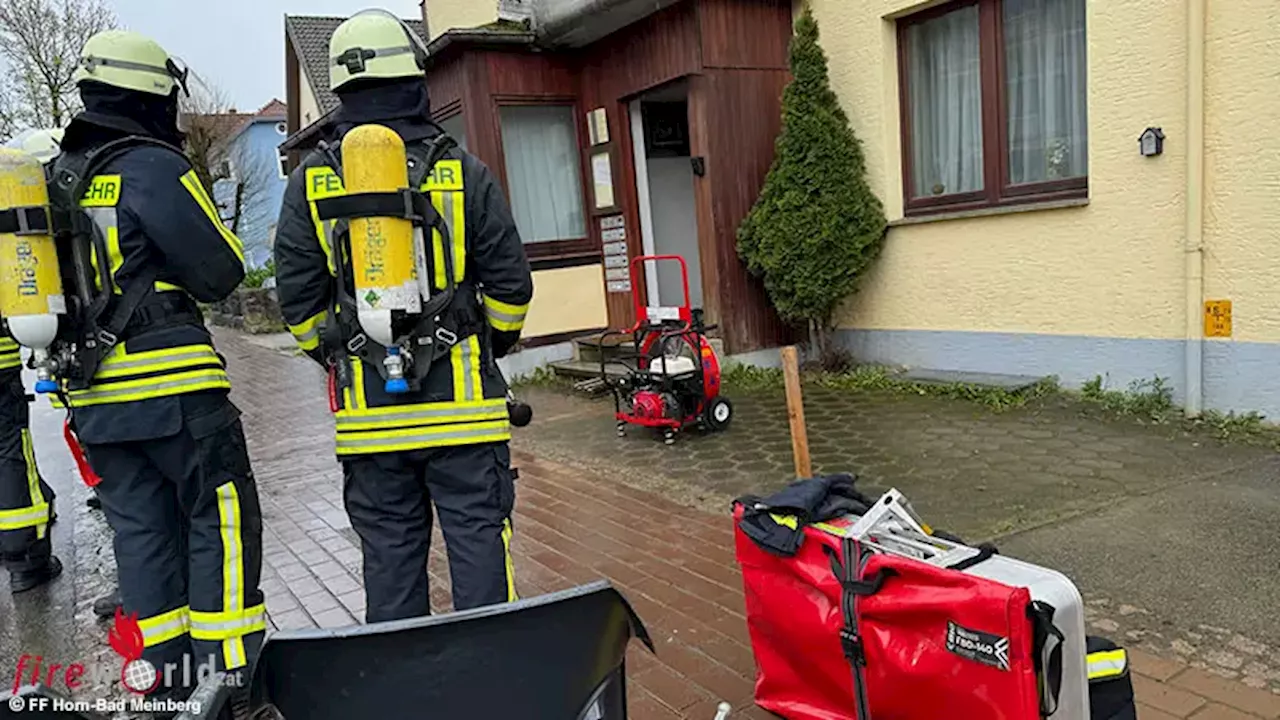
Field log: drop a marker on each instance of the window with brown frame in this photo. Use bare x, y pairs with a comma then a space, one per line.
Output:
993, 104
543, 165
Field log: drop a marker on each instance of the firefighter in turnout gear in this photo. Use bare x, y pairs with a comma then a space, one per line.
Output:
26, 501
148, 399
425, 422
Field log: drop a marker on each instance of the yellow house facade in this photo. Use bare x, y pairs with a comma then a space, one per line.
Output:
1029, 233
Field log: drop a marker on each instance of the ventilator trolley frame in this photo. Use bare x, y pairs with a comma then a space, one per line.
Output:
658, 388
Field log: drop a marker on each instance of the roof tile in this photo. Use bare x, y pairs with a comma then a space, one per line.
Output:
310, 37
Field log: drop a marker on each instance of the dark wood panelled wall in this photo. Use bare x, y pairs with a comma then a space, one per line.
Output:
733, 53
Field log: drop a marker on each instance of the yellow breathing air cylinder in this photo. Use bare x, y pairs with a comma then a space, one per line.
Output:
382, 248
31, 297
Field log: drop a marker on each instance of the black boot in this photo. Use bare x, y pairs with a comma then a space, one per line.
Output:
105, 606
22, 580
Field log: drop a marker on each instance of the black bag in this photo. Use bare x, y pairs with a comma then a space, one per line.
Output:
1110, 687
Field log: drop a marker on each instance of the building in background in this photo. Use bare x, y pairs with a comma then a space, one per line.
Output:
251, 178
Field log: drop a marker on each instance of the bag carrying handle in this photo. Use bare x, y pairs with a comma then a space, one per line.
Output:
985, 552
1048, 655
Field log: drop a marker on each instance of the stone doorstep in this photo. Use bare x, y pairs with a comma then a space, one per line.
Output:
1010, 383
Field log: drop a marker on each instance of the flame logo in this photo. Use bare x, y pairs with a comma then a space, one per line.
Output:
126, 636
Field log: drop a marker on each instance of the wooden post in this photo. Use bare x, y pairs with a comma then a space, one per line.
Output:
795, 413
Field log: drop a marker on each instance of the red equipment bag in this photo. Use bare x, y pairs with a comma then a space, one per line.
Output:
841, 633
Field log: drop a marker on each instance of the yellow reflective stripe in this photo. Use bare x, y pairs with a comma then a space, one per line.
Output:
192, 183
323, 182
33, 481
465, 358
121, 353
107, 221
24, 517
786, 520
399, 416
357, 374
324, 231
437, 241
145, 388
167, 287
505, 316
10, 353
422, 437
458, 231
444, 186
472, 360
1107, 664
114, 255
307, 332
832, 529
511, 568
162, 628
348, 398
229, 526
121, 365
228, 625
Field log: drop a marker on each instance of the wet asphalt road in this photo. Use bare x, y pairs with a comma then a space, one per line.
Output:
41, 622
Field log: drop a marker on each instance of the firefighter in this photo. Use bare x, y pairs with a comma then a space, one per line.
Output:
155, 418
445, 442
26, 501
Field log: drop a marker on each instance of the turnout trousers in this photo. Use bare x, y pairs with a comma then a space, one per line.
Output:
25, 499
188, 532
389, 497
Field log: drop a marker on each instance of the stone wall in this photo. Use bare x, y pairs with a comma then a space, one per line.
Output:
254, 310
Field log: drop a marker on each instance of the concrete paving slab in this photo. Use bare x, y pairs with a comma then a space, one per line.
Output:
1193, 568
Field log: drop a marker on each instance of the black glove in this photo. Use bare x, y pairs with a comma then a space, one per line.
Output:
503, 342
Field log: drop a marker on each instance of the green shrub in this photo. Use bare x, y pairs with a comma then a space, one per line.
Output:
255, 277
817, 225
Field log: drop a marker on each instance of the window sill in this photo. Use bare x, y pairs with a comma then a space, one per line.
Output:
565, 260
990, 211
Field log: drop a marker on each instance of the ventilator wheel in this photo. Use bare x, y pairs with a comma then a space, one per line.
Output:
718, 413
669, 436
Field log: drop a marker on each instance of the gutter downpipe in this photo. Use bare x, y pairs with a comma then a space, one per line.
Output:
1194, 249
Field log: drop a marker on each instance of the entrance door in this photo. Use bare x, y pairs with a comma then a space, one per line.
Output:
664, 181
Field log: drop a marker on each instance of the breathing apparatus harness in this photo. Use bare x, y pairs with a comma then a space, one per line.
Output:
447, 317
98, 318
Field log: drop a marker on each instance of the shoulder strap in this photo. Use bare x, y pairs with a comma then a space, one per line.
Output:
422, 164
142, 286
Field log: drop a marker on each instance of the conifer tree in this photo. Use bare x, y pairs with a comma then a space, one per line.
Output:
817, 225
